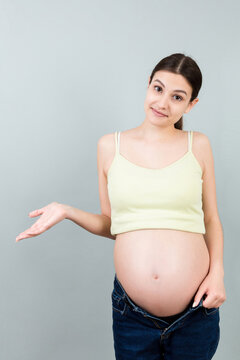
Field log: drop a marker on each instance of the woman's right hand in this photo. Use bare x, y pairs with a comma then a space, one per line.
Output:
52, 214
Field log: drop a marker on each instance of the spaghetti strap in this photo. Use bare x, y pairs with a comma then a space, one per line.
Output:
190, 136
115, 135
117, 140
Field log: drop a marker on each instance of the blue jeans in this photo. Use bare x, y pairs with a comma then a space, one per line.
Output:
190, 335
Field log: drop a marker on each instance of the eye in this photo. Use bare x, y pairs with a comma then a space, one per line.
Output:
179, 97
159, 87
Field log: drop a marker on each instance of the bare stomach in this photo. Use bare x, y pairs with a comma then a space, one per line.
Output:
161, 269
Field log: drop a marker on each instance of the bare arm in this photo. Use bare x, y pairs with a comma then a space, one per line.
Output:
215, 244
214, 229
55, 212
97, 224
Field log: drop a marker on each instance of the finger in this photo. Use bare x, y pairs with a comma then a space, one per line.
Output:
197, 298
18, 238
36, 212
28, 233
35, 229
211, 303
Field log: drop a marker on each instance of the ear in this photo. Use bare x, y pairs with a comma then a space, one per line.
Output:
191, 105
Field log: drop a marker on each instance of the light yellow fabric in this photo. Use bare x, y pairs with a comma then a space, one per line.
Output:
166, 198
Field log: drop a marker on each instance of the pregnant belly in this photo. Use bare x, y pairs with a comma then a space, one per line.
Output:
161, 269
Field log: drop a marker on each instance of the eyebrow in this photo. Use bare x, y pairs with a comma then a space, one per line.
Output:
178, 90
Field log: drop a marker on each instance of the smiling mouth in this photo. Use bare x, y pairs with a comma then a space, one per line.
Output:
157, 112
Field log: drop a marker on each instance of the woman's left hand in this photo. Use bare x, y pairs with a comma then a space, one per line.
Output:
213, 287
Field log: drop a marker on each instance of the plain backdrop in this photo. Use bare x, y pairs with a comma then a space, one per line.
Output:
70, 72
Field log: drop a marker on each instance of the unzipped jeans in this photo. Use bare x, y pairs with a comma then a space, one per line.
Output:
190, 335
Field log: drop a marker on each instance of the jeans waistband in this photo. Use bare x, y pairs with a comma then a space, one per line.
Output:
120, 290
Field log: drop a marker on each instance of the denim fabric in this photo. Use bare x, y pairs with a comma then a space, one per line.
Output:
190, 335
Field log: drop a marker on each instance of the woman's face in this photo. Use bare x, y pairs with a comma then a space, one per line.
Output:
162, 96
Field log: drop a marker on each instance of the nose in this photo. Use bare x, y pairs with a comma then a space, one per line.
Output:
162, 102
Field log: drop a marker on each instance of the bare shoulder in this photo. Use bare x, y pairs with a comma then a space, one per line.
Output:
202, 148
106, 150
106, 141
200, 137
201, 141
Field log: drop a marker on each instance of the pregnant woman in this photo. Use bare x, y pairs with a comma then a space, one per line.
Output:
158, 201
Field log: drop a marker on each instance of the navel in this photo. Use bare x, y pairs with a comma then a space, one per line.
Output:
155, 276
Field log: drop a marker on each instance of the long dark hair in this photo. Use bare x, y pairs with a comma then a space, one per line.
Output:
184, 65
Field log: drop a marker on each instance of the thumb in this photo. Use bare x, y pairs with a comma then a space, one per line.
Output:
197, 298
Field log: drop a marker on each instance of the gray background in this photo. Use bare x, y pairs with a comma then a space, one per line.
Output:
72, 71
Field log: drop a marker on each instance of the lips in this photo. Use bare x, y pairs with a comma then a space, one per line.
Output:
158, 112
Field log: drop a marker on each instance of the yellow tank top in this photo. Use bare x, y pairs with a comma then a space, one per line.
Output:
165, 198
